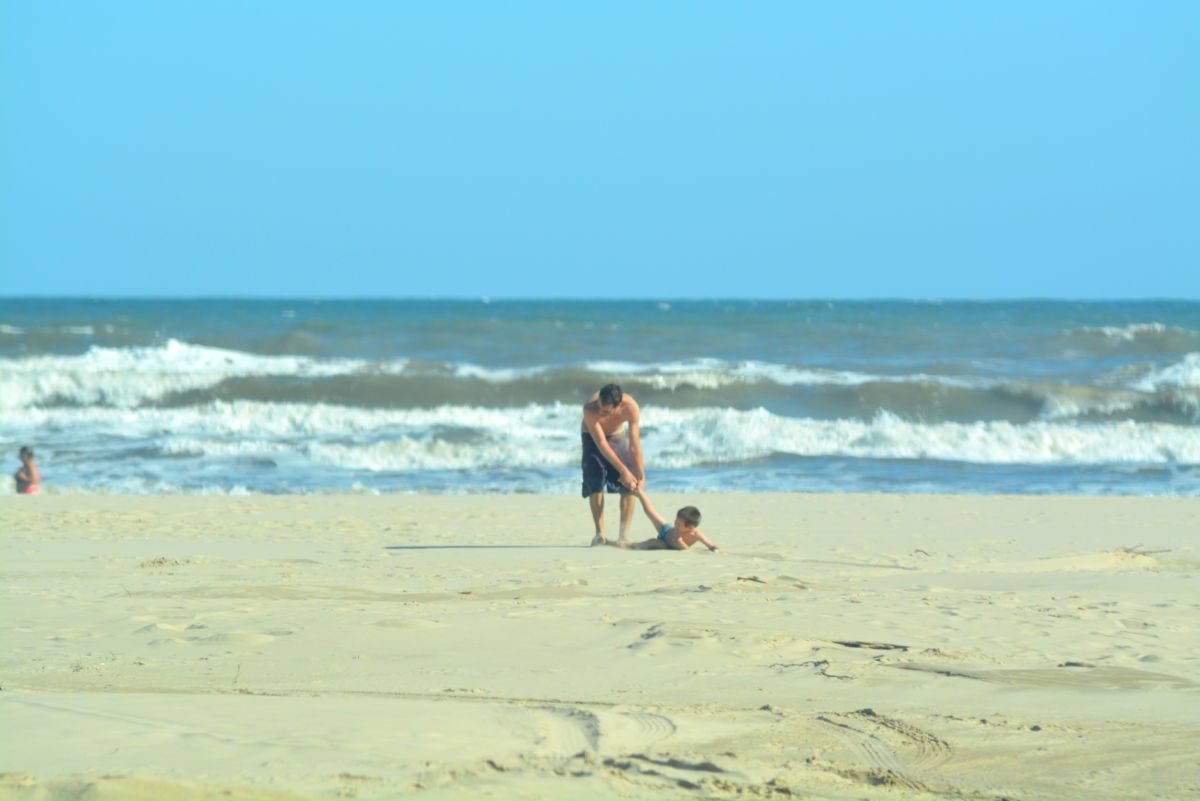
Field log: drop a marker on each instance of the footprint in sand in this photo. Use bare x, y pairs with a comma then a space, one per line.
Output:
569, 730
159, 628
169, 629
1130, 623
662, 635
225, 638
406, 623
244, 637
169, 641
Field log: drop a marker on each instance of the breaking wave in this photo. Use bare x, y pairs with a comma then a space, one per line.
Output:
456, 437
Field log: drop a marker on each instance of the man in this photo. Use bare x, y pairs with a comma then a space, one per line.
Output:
612, 460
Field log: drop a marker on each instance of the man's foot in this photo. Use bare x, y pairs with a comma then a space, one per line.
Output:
599, 540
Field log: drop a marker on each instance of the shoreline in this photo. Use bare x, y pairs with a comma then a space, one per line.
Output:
463, 646
52, 490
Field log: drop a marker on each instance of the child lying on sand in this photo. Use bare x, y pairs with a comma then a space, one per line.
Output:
681, 536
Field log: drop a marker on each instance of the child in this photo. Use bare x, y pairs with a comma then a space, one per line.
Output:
680, 537
28, 477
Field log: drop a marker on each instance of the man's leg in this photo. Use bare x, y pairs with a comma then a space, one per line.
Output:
596, 502
627, 499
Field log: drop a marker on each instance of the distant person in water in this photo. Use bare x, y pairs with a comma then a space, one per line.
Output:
612, 455
679, 536
27, 477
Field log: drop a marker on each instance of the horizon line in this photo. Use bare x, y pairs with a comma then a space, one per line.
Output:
485, 299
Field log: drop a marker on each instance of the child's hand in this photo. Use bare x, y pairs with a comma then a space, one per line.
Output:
712, 547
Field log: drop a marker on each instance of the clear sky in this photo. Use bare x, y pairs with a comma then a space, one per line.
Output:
559, 149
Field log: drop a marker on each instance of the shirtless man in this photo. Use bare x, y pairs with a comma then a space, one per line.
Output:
612, 461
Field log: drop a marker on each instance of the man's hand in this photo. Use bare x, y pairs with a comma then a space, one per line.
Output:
628, 480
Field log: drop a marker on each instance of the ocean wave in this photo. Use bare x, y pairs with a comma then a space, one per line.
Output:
726, 435
225, 425
151, 486
715, 373
182, 375
130, 377
420, 453
1136, 339
453, 437
1184, 373
1070, 402
1126, 333
42, 334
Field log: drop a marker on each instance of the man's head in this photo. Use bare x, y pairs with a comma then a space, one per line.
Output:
610, 396
688, 517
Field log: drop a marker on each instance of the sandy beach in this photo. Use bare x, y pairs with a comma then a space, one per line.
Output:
433, 646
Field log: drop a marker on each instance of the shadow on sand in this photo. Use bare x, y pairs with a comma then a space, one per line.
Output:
469, 547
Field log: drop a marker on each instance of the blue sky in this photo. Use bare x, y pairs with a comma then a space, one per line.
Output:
574, 150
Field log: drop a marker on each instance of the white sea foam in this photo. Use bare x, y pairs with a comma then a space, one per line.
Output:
463, 438
131, 377
1183, 373
497, 374
689, 437
127, 377
421, 453
1126, 333
246, 419
716, 373
147, 486
209, 446
1060, 402
713, 374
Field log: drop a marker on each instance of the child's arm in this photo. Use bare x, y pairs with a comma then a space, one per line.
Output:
648, 508
700, 536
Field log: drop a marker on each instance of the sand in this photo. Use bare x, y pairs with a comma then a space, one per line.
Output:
460, 647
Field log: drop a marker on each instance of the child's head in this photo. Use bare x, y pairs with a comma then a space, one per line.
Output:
687, 517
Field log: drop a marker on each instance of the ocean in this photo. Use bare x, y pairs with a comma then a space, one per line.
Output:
311, 396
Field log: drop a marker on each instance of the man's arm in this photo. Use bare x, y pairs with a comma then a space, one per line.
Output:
635, 441
601, 440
